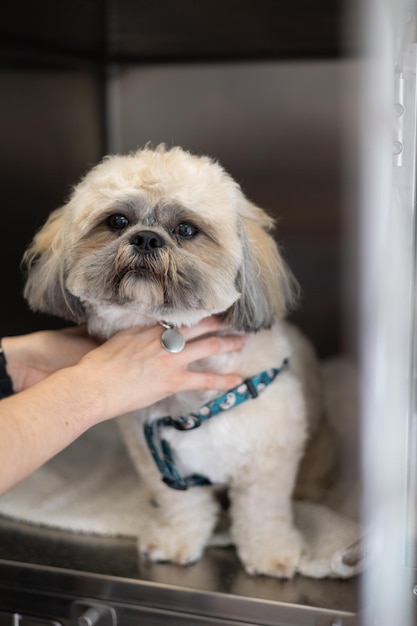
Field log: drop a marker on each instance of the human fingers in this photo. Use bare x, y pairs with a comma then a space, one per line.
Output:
134, 339
207, 325
210, 346
151, 334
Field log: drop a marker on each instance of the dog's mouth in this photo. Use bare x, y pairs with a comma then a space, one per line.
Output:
159, 282
140, 271
144, 271
149, 266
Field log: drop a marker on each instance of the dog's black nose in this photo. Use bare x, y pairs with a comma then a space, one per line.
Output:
147, 241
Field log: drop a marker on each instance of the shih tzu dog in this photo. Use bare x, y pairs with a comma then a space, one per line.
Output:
165, 236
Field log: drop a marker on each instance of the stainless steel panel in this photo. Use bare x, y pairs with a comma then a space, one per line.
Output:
219, 572
51, 591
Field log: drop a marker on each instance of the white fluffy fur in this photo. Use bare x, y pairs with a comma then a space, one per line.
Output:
254, 449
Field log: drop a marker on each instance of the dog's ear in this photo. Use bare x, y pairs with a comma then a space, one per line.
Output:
267, 286
44, 262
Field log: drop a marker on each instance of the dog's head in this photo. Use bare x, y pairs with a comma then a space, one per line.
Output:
164, 233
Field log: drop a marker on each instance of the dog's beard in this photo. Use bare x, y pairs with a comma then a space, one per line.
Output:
155, 284
157, 279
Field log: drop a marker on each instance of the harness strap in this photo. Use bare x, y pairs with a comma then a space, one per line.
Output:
159, 447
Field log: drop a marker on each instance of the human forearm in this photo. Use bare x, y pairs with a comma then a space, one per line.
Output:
41, 421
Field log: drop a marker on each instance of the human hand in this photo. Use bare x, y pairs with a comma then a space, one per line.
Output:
131, 370
33, 357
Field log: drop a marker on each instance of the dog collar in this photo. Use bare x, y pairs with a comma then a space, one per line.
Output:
159, 447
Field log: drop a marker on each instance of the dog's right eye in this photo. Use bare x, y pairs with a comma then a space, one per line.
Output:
117, 222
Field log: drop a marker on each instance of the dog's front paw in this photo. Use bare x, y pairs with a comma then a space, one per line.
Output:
279, 557
165, 542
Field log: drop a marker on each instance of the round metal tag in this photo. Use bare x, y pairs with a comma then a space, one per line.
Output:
172, 340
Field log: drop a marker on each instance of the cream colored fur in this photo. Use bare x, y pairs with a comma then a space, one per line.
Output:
233, 268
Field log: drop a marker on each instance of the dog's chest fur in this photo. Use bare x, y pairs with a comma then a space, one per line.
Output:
227, 442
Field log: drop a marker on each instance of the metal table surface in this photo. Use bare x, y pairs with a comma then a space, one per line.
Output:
44, 571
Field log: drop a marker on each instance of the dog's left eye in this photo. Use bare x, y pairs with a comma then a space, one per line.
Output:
185, 230
117, 222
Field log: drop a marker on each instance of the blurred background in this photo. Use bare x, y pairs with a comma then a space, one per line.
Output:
267, 89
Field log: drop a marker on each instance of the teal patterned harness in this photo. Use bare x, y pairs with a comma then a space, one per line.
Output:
159, 447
